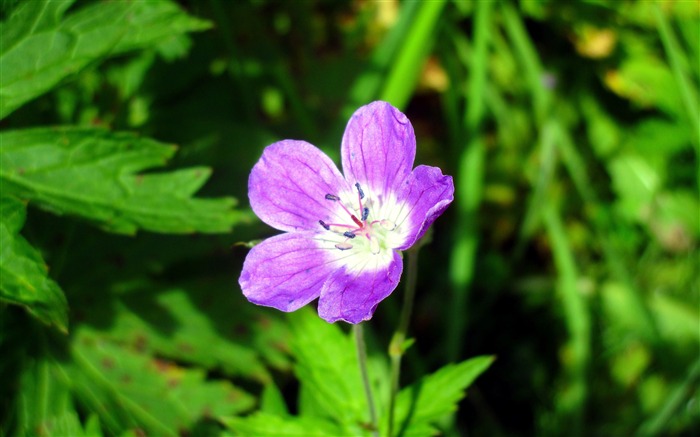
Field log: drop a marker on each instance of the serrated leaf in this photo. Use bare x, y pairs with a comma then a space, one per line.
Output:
265, 424
24, 277
92, 173
201, 324
131, 389
272, 401
328, 370
420, 405
39, 49
44, 405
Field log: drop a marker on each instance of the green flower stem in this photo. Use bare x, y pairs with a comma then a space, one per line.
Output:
362, 359
398, 345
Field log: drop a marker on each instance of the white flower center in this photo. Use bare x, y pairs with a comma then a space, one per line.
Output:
374, 227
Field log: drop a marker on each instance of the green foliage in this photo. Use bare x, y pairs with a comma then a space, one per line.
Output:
91, 173
193, 324
332, 399
96, 174
24, 276
85, 171
422, 404
129, 388
326, 363
264, 424
44, 404
41, 47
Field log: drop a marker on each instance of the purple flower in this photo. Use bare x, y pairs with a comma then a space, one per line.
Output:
342, 234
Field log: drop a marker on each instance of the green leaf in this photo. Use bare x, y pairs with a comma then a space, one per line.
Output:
128, 388
421, 404
24, 277
328, 370
636, 183
92, 173
13, 213
648, 82
677, 321
659, 137
195, 324
43, 405
264, 424
31, 17
40, 49
272, 401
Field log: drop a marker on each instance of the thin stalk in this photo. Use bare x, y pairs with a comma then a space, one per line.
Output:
578, 322
362, 359
407, 64
656, 424
398, 345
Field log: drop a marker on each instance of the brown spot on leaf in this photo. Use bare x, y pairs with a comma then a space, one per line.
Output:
264, 322
140, 343
280, 346
161, 365
107, 363
185, 347
240, 330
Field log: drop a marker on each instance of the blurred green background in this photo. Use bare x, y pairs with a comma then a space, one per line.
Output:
571, 129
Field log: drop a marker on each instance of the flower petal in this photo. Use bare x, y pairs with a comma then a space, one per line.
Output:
378, 148
288, 185
286, 271
425, 195
352, 296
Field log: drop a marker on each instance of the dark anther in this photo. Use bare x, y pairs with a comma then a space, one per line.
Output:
325, 226
332, 197
359, 190
365, 213
349, 234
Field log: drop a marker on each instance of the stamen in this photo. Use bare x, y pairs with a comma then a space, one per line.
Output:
360, 196
365, 213
388, 225
337, 228
335, 198
343, 246
349, 234
359, 190
374, 246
